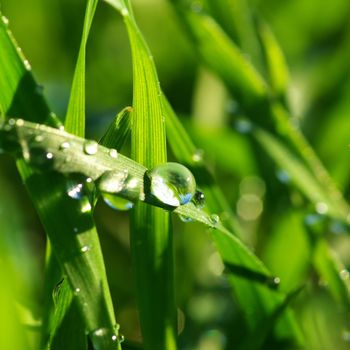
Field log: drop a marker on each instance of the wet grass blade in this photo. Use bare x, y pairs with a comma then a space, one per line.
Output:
75, 118
85, 273
151, 236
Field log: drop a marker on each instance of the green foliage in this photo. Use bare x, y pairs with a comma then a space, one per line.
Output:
262, 262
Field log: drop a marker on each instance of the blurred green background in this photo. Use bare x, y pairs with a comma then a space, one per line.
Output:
315, 38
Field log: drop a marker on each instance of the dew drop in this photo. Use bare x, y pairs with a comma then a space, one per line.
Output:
104, 338
90, 147
79, 186
273, 282
197, 156
199, 199
5, 20
321, 208
77, 291
85, 248
172, 184
214, 219
39, 138
40, 158
113, 153
27, 65
344, 274
117, 203
112, 182
64, 145
75, 191
243, 125
184, 218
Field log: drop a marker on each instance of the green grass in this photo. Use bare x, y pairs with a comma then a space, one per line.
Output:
256, 267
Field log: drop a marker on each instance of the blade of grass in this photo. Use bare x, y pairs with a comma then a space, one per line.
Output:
19, 97
75, 118
151, 236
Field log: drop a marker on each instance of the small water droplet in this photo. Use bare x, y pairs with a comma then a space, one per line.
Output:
199, 199
243, 125
321, 208
39, 138
113, 153
39, 158
5, 20
104, 338
85, 248
184, 218
273, 282
77, 290
27, 65
198, 155
344, 274
117, 203
19, 122
64, 145
90, 147
214, 219
172, 184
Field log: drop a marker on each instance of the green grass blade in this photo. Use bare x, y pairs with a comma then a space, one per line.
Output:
20, 97
75, 118
277, 69
187, 153
151, 237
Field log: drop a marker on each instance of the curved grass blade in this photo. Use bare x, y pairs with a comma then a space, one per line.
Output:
75, 118
19, 96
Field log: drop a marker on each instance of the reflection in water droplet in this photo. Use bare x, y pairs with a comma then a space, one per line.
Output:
184, 218
39, 158
321, 208
199, 199
113, 153
90, 147
105, 338
117, 203
243, 126
75, 191
198, 155
172, 184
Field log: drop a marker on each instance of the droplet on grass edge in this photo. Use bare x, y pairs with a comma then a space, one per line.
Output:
172, 184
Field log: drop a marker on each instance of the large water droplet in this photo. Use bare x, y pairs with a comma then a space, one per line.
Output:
112, 181
105, 338
117, 203
172, 184
90, 147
